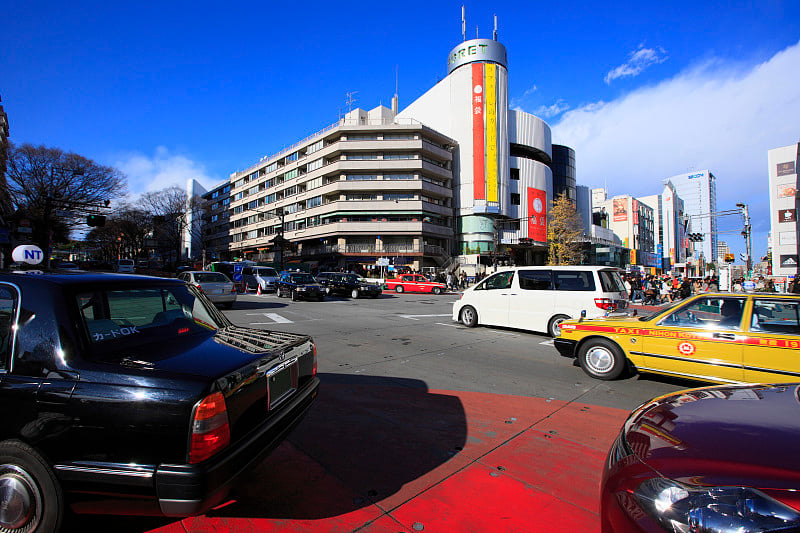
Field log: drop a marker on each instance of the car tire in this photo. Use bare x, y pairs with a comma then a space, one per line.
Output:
468, 316
354, 293
295, 296
399, 289
437, 291
279, 293
554, 326
27, 476
601, 359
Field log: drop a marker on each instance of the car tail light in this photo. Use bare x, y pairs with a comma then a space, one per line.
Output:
605, 303
199, 288
210, 429
314, 355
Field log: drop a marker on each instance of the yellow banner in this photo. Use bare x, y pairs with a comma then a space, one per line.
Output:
491, 133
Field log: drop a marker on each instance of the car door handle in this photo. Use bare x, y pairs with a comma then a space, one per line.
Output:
726, 336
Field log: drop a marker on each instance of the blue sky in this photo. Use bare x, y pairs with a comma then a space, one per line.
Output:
642, 90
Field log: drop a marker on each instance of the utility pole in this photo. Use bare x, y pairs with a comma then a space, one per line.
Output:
746, 233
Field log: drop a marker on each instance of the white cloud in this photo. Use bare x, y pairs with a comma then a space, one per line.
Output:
638, 61
550, 111
716, 116
161, 170
516, 102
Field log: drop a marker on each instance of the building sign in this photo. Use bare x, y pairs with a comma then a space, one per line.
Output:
785, 169
786, 190
787, 215
620, 209
635, 210
479, 178
483, 50
787, 237
694, 176
29, 253
491, 132
789, 261
537, 214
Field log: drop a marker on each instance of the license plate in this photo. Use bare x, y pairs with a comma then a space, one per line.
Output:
216, 291
280, 384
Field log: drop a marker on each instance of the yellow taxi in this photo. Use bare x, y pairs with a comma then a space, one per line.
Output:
717, 337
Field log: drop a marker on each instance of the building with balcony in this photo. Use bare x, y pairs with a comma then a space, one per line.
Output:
370, 186
216, 223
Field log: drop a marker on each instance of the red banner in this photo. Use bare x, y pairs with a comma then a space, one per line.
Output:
477, 107
537, 214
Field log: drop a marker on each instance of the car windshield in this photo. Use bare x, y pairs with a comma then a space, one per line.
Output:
116, 319
267, 272
302, 278
653, 314
211, 277
351, 278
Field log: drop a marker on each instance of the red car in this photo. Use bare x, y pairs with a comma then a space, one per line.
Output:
414, 283
714, 459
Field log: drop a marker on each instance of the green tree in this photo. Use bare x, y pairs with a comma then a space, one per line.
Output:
564, 233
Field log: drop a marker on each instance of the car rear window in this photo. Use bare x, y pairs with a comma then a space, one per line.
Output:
267, 272
573, 280
302, 278
211, 277
134, 316
611, 281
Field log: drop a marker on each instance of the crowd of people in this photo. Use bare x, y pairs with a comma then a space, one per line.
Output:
655, 290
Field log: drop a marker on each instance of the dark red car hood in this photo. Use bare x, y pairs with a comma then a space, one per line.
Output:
731, 435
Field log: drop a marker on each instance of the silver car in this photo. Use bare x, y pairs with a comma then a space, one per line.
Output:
215, 285
263, 277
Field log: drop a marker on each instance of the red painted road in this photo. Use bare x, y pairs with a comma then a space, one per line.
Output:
384, 456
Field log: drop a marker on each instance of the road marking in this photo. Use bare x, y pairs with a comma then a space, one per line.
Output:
448, 325
417, 317
547, 343
275, 317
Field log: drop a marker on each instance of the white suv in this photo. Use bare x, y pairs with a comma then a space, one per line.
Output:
539, 298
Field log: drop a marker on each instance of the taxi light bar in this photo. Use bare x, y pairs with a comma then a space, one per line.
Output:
210, 429
606, 304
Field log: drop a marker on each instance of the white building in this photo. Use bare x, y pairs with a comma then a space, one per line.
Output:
783, 186
670, 228
699, 193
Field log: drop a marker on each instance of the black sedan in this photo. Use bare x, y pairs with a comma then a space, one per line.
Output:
134, 395
351, 285
299, 286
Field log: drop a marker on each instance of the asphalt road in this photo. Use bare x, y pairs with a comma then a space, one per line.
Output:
413, 337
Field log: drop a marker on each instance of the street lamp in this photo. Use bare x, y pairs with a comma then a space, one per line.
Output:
746, 233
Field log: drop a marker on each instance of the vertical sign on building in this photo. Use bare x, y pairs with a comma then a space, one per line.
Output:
537, 214
490, 97
479, 177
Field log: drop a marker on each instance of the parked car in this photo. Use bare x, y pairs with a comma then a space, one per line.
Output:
299, 285
134, 395
124, 266
66, 266
351, 285
722, 337
715, 459
414, 283
215, 285
260, 276
540, 298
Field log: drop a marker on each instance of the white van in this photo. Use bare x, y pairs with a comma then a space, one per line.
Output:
125, 266
539, 298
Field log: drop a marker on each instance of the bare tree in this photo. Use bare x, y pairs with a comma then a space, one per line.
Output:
169, 209
564, 233
43, 183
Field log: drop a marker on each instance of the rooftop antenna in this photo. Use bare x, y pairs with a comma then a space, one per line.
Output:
476, 32
396, 99
494, 35
350, 100
463, 23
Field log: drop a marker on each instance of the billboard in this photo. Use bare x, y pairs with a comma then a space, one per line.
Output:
785, 169
479, 177
786, 190
620, 209
537, 214
787, 215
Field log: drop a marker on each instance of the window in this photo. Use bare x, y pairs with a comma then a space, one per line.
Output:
361, 177
214, 218
360, 157
290, 191
292, 157
253, 176
290, 175
314, 165
313, 202
399, 196
361, 197
313, 184
501, 280
705, 313
252, 190
314, 147
776, 316
390, 157
8, 313
536, 280
239, 183
362, 137
399, 136
514, 173
573, 280
514, 198
398, 176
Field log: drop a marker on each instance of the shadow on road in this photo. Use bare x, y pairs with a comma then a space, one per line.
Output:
364, 438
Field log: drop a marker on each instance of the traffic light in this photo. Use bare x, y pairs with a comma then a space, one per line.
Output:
743, 257
730, 258
95, 221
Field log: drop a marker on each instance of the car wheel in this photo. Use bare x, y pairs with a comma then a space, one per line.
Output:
437, 290
295, 296
554, 326
469, 317
321, 297
601, 359
279, 293
354, 293
328, 290
31, 496
398, 289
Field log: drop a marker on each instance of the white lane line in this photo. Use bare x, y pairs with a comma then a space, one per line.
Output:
417, 317
448, 325
547, 343
275, 317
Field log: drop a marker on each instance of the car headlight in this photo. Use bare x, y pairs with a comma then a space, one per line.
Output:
687, 509
301, 288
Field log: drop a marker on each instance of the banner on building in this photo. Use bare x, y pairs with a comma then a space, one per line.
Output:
537, 214
620, 209
635, 210
789, 261
478, 156
785, 169
787, 237
786, 190
490, 96
787, 215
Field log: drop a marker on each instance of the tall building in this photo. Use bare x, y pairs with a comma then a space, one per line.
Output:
724, 250
698, 190
633, 221
669, 222
216, 223
783, 204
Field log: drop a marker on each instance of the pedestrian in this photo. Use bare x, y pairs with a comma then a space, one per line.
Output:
686, 288
666, 291
450, 281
